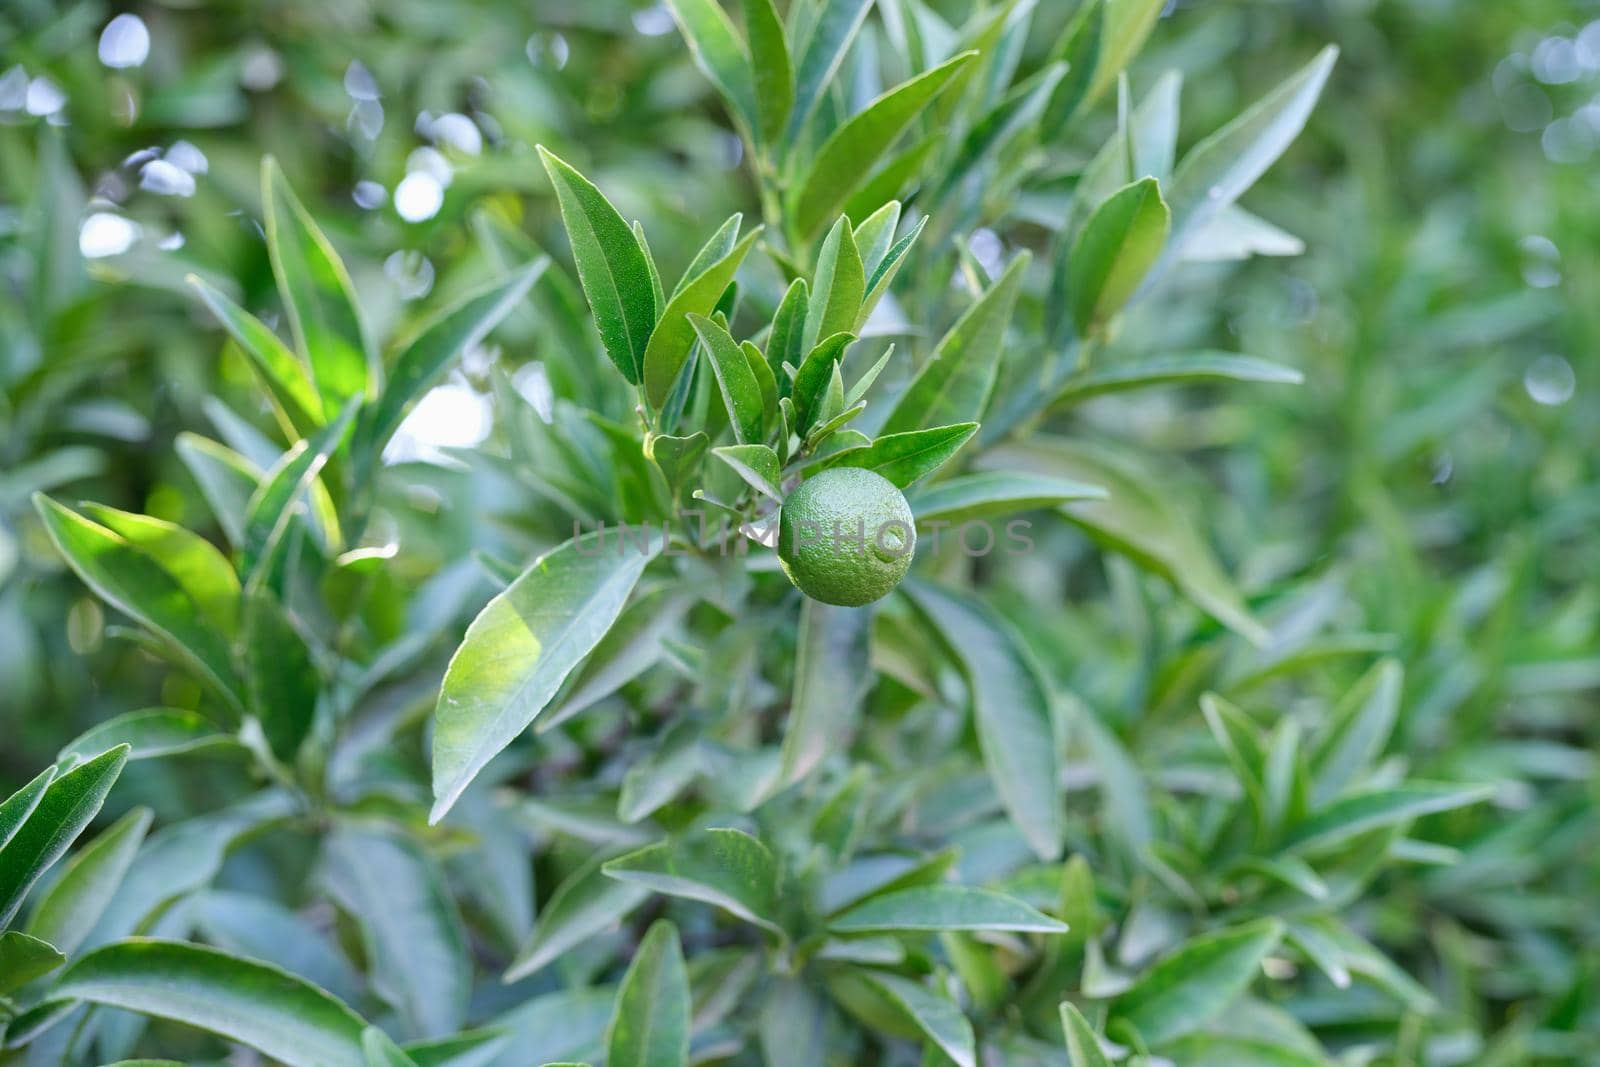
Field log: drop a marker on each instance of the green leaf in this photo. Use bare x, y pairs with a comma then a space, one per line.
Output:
740, 390
24, 958
75, 902
453, 331
723, 867
1141, 518
70, 802
678, 457
720, 54
943, 907
586, 904
1127, 24
226, 480
280, 677
252, 1004
285, 376
847, 157
1011, 706
381, 1051
192, 561
471, 1048
1083, 1047
938, 1019
522, 646
770, 67
674, 336
651, 1025
955, 383
875, 234
766, 383
718, 245
1188, 988
1219, 169
840, 285
612, 267
1358, 730
1118, 245
1234, 234
786, 342
139, 587
757, 464
989, 495
275, 502
413, 935
260, 928
1079, 48
1176, 370
318, 297
835, 28
1358, 813
904, 458
814, 377
19, 805
884, 272
830, 664
150, 734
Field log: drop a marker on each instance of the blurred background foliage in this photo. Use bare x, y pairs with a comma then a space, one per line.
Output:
1431, 494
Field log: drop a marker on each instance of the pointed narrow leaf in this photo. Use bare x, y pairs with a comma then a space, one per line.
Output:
226, 480
381, 1051
1127, 25
192, 561
944, 907
522, 646
771, 67
453, 331
847, 157
741, 393
1360, 812
1185, 990
1016, 732
275, 502
318, 296
833, 31
19, 805
137, 586
1141, 517
786, 343
650, 1027
955, 383
250, 1003
1118, 245
616, 277
23, 958
875, 235
903, 458
1359, 730
720, 54
588, 903
723, 867
718, 245
280, 676
286, 378
413, 935
841, 284
938, 1019
1176, 370
812, 379
1083, 1047
70, 803
72, 907
883, 274
674, 336
830, 664
757, 465
1219, 169
151, 733
988, 495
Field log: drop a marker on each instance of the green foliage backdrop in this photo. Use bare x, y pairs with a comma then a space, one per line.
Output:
334, 733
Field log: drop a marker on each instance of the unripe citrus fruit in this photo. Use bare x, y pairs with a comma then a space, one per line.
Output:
846, 536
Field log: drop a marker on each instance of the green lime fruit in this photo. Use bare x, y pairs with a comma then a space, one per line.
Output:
846, 536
